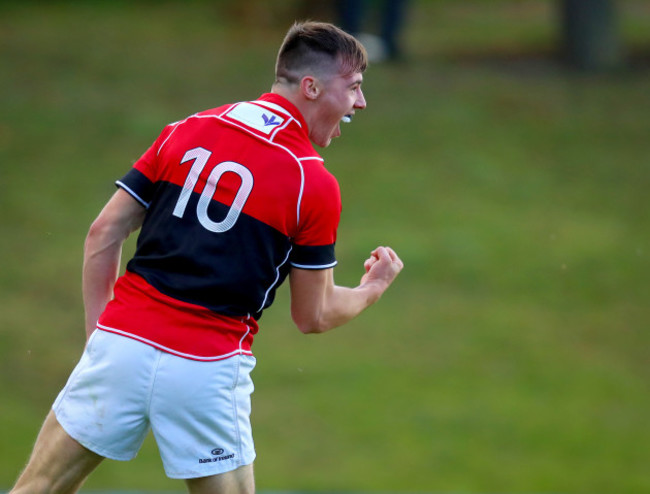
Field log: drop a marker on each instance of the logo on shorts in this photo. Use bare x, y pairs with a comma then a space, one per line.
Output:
217, 455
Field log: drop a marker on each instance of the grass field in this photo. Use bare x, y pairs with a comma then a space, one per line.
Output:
512, 355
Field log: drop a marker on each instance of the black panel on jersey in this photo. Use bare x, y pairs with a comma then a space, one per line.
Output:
233, 273
137, 183
313, 256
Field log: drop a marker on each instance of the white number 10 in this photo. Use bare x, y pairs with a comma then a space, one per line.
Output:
201, 157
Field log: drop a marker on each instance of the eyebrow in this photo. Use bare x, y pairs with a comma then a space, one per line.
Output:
356, 81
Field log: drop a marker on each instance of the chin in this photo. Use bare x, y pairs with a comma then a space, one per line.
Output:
323, 143
323, 139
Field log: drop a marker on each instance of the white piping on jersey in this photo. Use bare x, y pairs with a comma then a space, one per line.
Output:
278, 108
302, 189
132, 193
310, 266
248, 330
277, 278
172, 351
271, 142
245, 128
282, 127
273, 106
176, 125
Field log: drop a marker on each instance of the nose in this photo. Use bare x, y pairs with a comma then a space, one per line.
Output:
360, 102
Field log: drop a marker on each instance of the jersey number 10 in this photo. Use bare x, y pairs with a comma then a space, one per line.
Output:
201, 156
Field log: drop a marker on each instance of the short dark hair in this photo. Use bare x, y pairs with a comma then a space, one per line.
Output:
318, 47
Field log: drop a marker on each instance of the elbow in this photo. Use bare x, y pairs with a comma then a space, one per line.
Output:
103, 235
312, 325
97, 234
94, 234
311, 329
96, 227
308, 328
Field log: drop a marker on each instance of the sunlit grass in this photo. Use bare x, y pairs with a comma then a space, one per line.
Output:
510, 356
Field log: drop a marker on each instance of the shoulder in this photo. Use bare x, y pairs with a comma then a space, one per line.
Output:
320, 187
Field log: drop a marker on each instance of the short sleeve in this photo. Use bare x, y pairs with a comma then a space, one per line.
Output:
138, 186
320, 212
140, 181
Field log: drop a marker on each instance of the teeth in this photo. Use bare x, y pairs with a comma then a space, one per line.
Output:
346, 119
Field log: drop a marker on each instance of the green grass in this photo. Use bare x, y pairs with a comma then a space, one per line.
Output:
511, 355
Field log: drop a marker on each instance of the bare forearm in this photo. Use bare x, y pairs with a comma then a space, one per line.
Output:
103, 251
318, 304
342, 304
100, 271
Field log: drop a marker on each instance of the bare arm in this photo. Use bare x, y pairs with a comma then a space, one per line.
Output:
318, 304
102, 252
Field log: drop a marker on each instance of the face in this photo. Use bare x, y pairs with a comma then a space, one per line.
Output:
339, 96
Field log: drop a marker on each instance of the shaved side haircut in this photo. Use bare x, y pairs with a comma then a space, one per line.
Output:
319, 49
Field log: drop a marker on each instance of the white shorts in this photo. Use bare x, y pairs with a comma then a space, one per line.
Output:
199, 411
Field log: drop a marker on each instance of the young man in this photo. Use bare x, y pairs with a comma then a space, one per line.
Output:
229, 201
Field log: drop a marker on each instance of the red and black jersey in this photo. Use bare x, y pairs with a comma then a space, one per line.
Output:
235, 197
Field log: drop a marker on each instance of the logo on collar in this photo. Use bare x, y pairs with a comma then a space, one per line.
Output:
260, 119
270, 121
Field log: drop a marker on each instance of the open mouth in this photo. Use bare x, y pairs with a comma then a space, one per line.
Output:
347, 118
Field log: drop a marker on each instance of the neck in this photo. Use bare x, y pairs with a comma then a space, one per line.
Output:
286, 91
292, 93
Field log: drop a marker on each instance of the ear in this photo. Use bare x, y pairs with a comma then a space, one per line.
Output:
310, 87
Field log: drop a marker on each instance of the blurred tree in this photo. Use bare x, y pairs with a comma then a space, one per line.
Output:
590, 35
